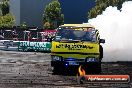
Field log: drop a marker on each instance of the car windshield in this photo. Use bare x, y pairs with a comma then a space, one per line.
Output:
76, 34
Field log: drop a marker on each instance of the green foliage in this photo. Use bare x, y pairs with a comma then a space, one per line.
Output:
5, 7
47, 25
7, 21
52, 17
0, 12
23, 25
101, 5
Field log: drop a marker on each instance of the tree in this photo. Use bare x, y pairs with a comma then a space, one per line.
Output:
0, 12
52, 16
23, 25
7, 21
101, 5
5, 7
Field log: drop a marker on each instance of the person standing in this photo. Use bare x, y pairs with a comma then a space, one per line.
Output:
15, 35
1, 34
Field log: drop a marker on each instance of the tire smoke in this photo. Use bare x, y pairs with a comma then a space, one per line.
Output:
115, 27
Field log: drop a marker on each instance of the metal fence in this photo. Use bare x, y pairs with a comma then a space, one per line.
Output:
19, 34
16, 38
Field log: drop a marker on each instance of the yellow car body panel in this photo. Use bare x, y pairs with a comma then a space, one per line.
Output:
78, 25
75, 45
79, 50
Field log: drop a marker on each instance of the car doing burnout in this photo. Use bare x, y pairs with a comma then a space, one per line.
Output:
75, 45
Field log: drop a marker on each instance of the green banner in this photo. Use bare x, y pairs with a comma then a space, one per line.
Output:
36, 46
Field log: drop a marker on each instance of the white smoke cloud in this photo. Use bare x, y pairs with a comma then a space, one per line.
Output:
115, 27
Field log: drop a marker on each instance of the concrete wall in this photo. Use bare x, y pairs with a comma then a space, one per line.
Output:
32, 11
29, 11
15, 10
76, 11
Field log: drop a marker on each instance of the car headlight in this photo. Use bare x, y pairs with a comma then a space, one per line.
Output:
56, 58
91, 60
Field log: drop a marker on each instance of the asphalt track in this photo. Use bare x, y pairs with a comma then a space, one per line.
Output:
33, 70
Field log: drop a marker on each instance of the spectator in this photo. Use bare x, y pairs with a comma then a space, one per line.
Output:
14, 33
1, 34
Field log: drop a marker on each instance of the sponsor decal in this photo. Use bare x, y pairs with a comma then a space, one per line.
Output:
74, 46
